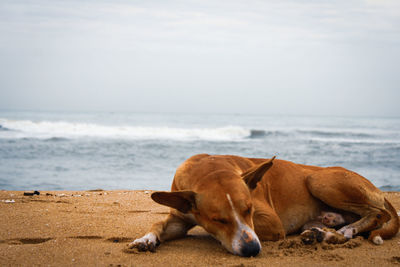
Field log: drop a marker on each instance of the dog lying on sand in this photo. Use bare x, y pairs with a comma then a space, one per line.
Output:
241, 201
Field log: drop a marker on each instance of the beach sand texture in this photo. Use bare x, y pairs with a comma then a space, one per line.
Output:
87, 228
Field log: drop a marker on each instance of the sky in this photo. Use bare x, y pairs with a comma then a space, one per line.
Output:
296, 57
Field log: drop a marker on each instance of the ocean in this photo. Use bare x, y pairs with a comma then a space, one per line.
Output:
117, 150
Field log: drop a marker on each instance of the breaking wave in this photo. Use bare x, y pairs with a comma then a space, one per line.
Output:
3, 129
60, 130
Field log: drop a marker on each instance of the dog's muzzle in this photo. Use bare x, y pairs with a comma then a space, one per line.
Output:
249, 244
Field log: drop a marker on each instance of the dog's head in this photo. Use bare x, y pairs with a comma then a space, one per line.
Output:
223, 208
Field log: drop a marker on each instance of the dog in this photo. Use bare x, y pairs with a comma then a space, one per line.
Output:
241, 201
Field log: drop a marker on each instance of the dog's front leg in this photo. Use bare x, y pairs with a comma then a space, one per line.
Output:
172, 228
267, 225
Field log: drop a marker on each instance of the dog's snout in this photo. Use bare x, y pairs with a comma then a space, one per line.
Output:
250, 249
250, 245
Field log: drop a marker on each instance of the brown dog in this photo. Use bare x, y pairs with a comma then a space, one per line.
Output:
241, 200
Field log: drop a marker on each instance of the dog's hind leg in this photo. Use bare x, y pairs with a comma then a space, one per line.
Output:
388, 229
346, 190
172, 228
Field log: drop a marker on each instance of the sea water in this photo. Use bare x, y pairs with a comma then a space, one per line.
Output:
117, 150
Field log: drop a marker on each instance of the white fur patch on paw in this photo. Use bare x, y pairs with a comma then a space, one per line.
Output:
342, 230
398, 213
348, 233
147, 242
377, 240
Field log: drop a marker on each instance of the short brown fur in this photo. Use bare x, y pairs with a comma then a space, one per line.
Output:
282, 197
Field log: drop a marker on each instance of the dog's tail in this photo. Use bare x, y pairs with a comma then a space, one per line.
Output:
388, 229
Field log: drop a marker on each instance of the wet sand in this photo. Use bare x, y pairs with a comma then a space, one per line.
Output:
86, 228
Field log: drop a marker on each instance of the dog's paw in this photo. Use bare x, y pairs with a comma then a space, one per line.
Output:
308, 237
148, 242
312, 236
377, 240
347, 232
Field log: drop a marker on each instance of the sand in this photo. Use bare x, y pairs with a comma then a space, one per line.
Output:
86, 228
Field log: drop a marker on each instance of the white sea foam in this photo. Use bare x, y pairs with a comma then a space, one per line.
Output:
62, 129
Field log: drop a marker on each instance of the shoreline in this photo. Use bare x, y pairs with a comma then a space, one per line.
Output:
93, 228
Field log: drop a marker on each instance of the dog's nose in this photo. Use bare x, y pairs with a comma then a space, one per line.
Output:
250, 249
250, 245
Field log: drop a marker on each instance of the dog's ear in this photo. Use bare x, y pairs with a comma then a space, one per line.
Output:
184, 201
253, 175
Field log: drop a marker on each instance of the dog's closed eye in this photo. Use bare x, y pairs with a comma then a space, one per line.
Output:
248, 211
220, 220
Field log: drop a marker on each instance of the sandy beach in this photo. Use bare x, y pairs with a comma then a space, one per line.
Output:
86, 228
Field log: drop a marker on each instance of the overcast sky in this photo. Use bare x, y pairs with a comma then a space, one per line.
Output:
282, 57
